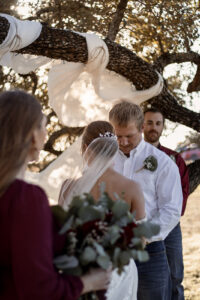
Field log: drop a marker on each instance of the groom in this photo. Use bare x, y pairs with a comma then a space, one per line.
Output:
161, 186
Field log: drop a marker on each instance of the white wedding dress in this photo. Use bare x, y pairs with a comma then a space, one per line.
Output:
124, 286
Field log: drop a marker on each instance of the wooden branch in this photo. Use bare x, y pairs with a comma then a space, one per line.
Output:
170, 58
194, 177
76, 131
118, 16
34, 79
167, 104
70, 46
194, 86
190, 56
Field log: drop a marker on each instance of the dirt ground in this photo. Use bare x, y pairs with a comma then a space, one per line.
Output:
190, 225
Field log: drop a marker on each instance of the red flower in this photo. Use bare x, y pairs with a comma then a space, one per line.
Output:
127, 235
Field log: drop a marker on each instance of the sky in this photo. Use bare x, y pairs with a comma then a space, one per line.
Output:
175, 137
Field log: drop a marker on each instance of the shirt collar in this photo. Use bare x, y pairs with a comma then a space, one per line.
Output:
137, 149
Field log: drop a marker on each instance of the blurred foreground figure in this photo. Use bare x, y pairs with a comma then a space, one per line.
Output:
26, 224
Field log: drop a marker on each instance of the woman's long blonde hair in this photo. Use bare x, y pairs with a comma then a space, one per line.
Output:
20, 114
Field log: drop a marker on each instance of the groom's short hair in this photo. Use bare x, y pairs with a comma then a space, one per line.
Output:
125, 112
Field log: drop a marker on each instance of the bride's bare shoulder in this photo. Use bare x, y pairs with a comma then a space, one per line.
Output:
129, 186
126, 180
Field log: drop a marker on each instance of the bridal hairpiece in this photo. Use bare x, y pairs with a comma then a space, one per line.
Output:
108, 134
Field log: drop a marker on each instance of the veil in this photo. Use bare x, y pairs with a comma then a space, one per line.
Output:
97, 158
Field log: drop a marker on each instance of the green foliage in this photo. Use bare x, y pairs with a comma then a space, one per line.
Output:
162, 26
96, 236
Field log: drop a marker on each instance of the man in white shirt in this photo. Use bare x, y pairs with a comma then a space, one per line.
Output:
160, 182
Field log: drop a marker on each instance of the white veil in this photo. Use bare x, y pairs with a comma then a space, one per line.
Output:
98, 156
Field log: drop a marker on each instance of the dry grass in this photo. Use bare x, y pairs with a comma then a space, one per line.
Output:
190, 225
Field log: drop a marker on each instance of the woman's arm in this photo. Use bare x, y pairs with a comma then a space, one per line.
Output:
32, 251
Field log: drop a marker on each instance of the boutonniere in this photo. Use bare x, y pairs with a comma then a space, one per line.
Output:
173, 157
150, 163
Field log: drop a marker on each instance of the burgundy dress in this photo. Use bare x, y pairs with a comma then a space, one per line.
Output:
26, 248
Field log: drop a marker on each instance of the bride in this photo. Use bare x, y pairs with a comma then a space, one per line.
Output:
99, 148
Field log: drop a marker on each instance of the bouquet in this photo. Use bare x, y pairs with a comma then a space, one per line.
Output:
99, 234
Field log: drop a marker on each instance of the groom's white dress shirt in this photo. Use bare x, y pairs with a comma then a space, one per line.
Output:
161, 188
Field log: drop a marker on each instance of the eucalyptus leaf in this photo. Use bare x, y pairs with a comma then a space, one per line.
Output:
88, 255
65, 262
120, 208
67, 225
89, 199
147, 230
105, 201
123, 221
102, 187
113, 234
77, 202
116, 255
89, 213
78, 222
124, 257
104, 261
133, 253
100, 250
142, 256
136, 241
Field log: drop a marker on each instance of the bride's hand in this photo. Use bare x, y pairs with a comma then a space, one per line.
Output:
96, 279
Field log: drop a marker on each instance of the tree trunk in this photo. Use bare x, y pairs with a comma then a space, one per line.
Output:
193, 170
70, 46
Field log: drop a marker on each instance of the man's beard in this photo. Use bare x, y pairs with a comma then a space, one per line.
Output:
150, 138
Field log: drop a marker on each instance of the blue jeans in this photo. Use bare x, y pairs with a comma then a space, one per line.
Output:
154, 282
174, 250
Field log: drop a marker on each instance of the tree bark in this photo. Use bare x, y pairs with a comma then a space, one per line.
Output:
76, 131
190, 56
194, 180
70, 46
114, 25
